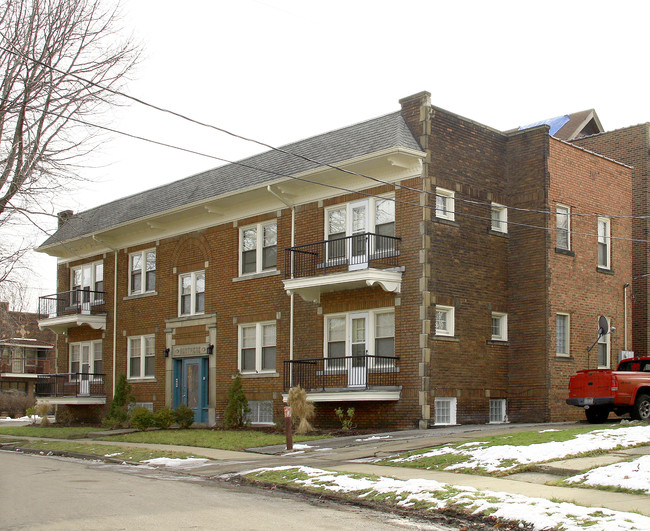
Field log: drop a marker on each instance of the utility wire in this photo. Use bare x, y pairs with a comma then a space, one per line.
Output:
286, 152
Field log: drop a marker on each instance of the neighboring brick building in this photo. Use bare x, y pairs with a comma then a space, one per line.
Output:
422, 285
25, 350
631, 145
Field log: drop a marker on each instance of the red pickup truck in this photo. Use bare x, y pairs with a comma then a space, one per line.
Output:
625, 390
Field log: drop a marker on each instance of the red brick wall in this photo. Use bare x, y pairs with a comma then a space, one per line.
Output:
631, 146
593, 186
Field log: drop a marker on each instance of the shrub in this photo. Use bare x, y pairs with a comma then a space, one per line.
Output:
141, 418
118, 414
184, 416
301, 408
164, 418
346, 422
15, 403
237, 409
64, 416
42, 410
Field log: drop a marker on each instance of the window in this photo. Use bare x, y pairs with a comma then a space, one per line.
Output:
444, 321
603, 243
445, 410
86, 357
369, 333
142, 356
562, 334
261, 412
142, 272
192, 293
257, 347
499, 326
563, 224
445, 204
89, 278
499, 218
603, 349
498, 410
373, 215
264, 237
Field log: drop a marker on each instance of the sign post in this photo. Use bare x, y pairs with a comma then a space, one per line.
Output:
287, 427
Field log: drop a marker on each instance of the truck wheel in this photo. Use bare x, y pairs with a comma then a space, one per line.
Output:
641, 409
597, 415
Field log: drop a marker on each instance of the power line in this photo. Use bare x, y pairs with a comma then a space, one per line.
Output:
286, 152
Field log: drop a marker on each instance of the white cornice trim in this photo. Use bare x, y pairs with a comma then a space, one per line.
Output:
352, 396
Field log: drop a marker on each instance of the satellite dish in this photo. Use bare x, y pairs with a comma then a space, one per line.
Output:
603, 326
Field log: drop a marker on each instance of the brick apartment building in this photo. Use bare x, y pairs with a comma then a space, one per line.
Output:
420, 267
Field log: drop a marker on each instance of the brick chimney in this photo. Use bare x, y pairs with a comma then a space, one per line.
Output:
64, 216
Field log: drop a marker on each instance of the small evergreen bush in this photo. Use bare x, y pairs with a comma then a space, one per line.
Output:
141, 418
184, 416
118, 414
237, 409
64, 417
164, 418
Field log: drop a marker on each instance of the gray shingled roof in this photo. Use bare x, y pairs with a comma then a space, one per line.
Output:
368, 137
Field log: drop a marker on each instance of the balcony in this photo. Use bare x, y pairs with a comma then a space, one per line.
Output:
352, 262
349, 378
26, 366
71, 388
72, 308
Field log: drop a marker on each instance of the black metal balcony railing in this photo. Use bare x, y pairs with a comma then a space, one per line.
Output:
357, 251
27, 365
71, 302
72, 384
349, 372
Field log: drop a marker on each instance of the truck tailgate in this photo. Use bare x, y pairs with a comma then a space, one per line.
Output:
592, 387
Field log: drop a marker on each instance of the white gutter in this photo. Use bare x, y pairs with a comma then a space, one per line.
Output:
115, 251
627, 284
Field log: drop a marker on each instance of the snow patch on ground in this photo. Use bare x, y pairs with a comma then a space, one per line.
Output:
374, 438
506, 457
541, 513
634, 475
190, 462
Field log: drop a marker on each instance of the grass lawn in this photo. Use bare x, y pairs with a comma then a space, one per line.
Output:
123, 452
220, 439
461, 452
53, 432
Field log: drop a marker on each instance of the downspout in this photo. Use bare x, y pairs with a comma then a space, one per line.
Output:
115, 251
293, 243
627, 285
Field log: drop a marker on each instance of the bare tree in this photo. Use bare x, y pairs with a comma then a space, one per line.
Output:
60, 63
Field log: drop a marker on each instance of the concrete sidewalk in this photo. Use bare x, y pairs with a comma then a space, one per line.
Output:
356, 454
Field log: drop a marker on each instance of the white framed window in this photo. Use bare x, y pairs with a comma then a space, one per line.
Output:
563, 226
499, 218
142, 272
191, 288
257, 347
375, 215
499, 326
88, 278
445, 204
562, 334
604, 251
444, 321
445, 411
86, 357
604, 347
498, 410
370, 333
261, 412
258, 248
141, 354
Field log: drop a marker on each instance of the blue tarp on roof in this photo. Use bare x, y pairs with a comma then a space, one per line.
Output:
554, 123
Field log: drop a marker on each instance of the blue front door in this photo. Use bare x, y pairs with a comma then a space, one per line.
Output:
191, 386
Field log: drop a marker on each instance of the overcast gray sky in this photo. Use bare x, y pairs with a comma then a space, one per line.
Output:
282, 70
